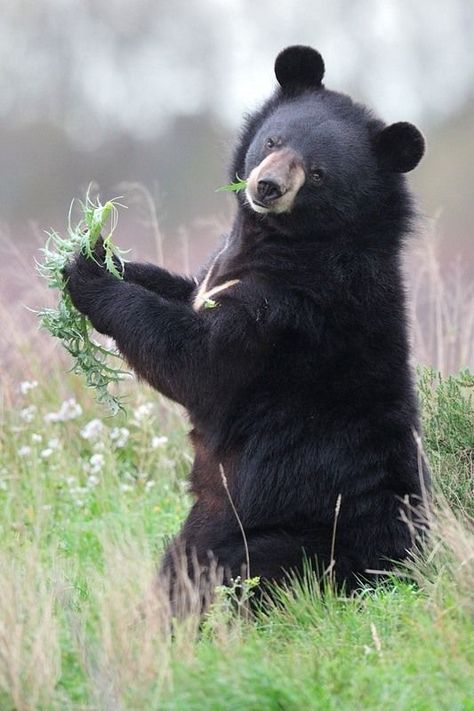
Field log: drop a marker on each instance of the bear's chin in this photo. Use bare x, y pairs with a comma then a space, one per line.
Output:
277, 208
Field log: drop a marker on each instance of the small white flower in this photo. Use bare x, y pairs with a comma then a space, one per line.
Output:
143, 412
96, 463
119, 435
71, 480
79, 490
47, 507
53, 443
69, 410
149, 485
157, 442
28, 385
92, 480
45, 453
36, 438
3, 485
24, 451
79, 502
93, 429
28, 413
125, 487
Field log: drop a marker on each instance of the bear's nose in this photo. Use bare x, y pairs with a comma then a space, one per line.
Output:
268, 189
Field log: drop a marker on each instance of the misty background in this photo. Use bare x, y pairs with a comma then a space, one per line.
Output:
145, 99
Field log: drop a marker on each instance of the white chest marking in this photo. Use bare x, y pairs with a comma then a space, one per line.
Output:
203, 293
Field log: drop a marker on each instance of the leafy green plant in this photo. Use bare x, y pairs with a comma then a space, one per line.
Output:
448, 433
91, 359
234, 187
448, 410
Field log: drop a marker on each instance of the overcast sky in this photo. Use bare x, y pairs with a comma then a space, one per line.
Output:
99, 65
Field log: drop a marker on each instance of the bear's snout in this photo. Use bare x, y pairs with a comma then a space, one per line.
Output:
269, 189
274, 183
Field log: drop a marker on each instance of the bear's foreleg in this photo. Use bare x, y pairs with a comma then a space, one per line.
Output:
187, 356
160, 281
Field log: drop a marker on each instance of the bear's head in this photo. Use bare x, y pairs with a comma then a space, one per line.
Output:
314, 157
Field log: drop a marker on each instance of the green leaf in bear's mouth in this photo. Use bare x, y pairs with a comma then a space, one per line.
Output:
235, 187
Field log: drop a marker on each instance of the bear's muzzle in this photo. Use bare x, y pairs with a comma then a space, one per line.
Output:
274, 183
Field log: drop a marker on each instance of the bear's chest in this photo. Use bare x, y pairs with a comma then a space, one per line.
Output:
215, 281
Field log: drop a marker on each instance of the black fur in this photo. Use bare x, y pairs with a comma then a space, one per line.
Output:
297, 382
299, 67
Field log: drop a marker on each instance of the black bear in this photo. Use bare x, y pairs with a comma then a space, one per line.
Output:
290, 352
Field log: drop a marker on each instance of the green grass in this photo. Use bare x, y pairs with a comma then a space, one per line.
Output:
87, 509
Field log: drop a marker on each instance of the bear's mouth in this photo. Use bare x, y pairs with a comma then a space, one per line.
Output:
274, 183
255, 203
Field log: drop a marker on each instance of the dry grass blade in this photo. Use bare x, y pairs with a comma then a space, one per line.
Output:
244, 537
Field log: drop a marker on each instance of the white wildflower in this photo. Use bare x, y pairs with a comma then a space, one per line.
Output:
28, 385
53, 443
93, 429
125, 487
92, 480
149, 485
96, 462
69, 410
24, 451
36, 438
46, 453
119, 435
79, 490
28, 413
143, 412
71, 480
157, 442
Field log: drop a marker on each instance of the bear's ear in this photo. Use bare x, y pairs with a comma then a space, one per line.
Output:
299, 67
399, 147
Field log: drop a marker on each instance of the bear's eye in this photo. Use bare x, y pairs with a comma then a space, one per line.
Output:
317, 174
271, 143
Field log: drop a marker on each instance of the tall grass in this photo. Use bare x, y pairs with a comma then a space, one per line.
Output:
29, 631
442, 304
88, 505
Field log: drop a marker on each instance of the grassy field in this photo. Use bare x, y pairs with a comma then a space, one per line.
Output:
88, 503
